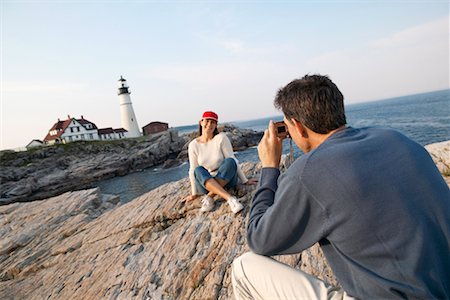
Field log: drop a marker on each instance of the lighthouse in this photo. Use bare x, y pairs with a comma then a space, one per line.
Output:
127, 116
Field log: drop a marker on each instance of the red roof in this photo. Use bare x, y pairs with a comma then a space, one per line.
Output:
156, 122
105, 130
110, 130
60, 127
84, 122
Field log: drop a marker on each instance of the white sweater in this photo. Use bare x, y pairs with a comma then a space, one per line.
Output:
210, 155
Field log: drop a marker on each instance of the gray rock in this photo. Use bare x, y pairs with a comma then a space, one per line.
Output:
25, 187
170, 163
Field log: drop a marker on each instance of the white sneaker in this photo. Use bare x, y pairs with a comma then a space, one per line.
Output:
207, 204
235, 205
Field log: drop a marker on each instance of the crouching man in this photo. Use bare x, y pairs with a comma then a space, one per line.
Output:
371, 197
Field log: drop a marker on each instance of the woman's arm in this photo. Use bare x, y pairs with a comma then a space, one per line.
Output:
193, 163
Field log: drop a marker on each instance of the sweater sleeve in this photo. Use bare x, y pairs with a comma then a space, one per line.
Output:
283, 218
193, 163
227, 151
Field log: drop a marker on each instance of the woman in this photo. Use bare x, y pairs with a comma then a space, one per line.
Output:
213, 166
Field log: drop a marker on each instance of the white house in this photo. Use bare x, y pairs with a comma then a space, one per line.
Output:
72, 129
34, 144
112, 134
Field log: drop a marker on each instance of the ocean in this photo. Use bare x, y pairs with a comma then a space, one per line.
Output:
425, 118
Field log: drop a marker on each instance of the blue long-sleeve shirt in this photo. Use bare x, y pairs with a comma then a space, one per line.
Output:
377, 205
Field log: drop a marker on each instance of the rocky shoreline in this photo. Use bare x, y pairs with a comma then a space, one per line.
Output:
84, 245
50, 171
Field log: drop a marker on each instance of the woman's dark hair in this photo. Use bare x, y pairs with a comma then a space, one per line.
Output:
315, 101
215, 132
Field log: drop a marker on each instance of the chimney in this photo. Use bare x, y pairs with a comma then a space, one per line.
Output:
82, 118
68, 117
59, 120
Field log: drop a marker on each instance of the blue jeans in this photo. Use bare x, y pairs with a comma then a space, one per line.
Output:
227, 172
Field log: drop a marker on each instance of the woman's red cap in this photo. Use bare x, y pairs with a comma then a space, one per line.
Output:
210, 115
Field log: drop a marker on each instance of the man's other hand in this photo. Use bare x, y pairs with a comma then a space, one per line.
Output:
270, 148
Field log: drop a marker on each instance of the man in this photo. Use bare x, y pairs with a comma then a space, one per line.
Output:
372, 198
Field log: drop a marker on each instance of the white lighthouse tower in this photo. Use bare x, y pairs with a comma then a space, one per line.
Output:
127, 116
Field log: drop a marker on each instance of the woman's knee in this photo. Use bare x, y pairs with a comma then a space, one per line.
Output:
199, 171
229, 163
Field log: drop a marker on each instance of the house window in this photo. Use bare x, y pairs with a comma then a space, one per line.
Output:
71, 129
91, 136
73, 122
78, 128
70, 138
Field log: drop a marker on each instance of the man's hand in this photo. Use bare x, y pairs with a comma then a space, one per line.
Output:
251, 181
270, 148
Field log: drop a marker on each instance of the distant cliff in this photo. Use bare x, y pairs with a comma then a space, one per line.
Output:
50, 171
83, 245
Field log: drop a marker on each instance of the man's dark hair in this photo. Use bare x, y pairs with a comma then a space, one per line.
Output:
315, 101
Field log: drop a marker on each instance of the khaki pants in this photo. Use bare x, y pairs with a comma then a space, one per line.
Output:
260, 277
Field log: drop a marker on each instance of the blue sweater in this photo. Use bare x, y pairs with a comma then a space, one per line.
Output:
377, 205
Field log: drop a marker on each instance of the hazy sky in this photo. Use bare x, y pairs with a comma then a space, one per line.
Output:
183, 57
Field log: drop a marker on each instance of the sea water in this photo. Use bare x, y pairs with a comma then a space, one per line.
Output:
425, 118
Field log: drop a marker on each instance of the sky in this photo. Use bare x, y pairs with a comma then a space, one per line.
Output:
180, 58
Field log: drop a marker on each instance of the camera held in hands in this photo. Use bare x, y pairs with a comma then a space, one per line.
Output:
282, 131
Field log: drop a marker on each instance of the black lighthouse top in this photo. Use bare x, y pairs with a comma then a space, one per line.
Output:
123, 86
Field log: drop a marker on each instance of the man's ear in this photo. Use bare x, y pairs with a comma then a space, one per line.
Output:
300, 128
